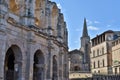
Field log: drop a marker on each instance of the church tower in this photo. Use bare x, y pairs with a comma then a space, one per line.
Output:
85, 47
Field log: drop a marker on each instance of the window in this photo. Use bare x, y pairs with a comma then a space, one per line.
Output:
116, 42
113, 43
98, 71
98, 64
93, 53
94, 65
97, 52
76, 68
119, 40
103, 50
119, 70
116, 70
59, 30
95, 72
103, 63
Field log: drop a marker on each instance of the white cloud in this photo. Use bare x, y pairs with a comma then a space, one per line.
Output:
76, 41
77, 29
89, 22
96, 22
59, 6
93, 28
108, 25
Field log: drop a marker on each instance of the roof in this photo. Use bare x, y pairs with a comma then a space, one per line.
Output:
108, 31
85, 32
75, 51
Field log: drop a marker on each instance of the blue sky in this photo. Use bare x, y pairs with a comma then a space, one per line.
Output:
101, 15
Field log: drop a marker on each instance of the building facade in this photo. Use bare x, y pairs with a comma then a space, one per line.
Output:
76, 61
101, 52
116, 56
79, 60
33, 41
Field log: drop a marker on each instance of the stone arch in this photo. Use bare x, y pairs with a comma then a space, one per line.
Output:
38, 12
54, 19
76, 68
38, 66
13, 63
54, 68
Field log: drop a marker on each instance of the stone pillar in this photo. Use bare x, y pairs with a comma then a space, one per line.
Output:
2, 53
23, 63
28, 13
18, 68
30, 55
16, 72
65, 73
49, 55
40, 72
60, 66
3, 16
49, 67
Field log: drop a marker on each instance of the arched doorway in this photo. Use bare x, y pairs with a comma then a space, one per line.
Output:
38, 66
54, 76
13, 64
76, 68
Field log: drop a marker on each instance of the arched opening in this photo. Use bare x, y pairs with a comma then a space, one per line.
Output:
60, 25
38, 12
54, 75
38, 66
13, 64
54, 19
76, 68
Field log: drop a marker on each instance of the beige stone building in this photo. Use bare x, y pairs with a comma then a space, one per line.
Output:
116, 56
101, 52
33, 41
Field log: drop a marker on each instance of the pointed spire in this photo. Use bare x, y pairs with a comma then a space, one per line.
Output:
85, 32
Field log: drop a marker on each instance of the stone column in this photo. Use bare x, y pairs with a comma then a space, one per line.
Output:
30, 55
48, 75
40, 73
49, 64
2, 53
18, 72
60, 66
23, 64
3, 16
65, 73
28, 13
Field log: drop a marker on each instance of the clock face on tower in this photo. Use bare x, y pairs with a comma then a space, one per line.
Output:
109, 37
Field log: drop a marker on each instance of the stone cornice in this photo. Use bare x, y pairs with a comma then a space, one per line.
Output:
37, 32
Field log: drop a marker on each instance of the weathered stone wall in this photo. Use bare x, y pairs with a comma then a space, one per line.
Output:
19, 29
